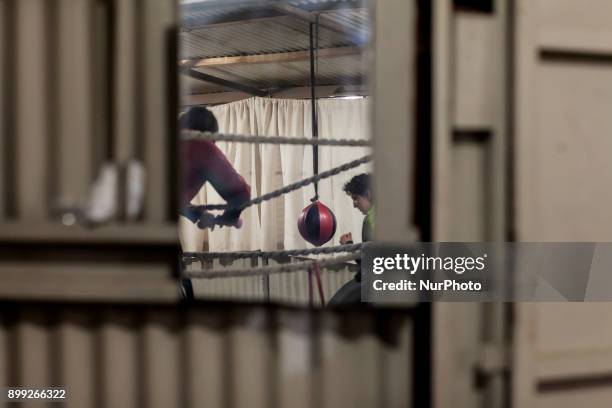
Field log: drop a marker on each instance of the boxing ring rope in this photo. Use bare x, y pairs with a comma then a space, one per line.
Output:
268, 270
342, 270
202, 256
226, 137
289, 188
260, 281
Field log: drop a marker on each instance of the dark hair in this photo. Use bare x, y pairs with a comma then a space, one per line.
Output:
358, 185
199, 118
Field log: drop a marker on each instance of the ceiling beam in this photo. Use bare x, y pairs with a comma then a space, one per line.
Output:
294, 56
222, 82
213, 98
324, 91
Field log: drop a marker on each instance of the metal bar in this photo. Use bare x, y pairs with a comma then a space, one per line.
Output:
266, 281
313, 107
223, 82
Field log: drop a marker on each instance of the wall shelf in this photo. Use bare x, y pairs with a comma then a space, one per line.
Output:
135, 233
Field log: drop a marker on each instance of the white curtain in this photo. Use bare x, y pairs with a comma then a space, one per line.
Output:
267, 167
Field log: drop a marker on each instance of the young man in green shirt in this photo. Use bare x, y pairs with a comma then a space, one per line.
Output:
360, 190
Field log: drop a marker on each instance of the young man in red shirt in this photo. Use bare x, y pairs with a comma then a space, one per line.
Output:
202, 161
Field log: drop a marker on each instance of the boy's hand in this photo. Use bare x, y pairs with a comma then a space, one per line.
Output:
206, 220
224, 221
346, 239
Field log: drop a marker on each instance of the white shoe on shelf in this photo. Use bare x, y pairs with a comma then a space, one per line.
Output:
102, 202
135, 176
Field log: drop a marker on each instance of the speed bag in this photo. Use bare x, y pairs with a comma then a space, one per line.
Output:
317, 223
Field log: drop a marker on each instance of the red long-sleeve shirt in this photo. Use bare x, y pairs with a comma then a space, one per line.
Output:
201, 161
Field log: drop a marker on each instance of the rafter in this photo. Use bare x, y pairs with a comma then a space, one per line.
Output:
294, 56
223, 82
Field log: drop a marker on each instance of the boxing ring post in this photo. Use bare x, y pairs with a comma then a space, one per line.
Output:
265, 280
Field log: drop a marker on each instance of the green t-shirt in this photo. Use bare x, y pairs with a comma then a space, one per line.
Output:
367, 227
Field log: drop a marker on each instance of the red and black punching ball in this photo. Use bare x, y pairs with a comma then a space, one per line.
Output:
317, 223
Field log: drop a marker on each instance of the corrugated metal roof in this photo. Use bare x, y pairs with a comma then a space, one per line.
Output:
281, 34
245, 30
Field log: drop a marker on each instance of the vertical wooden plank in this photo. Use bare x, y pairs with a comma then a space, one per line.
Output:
250, 359
162, 367
441, 127
526, 214
502, 115
207, 365
4, 358
396, 362
159, 16
295, 387
31, 138
75, 100
496, 328
78, 359
475, 45
34, 355
367, 347
100, 86
119, 361
470, 177
442, 25
3, 81
8, 88
349, 362
455, 331
495, 318
124, 89
524, 356
394, 115
477, 54
336, 375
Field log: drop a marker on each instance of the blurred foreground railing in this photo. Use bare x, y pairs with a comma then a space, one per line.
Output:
207, 355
